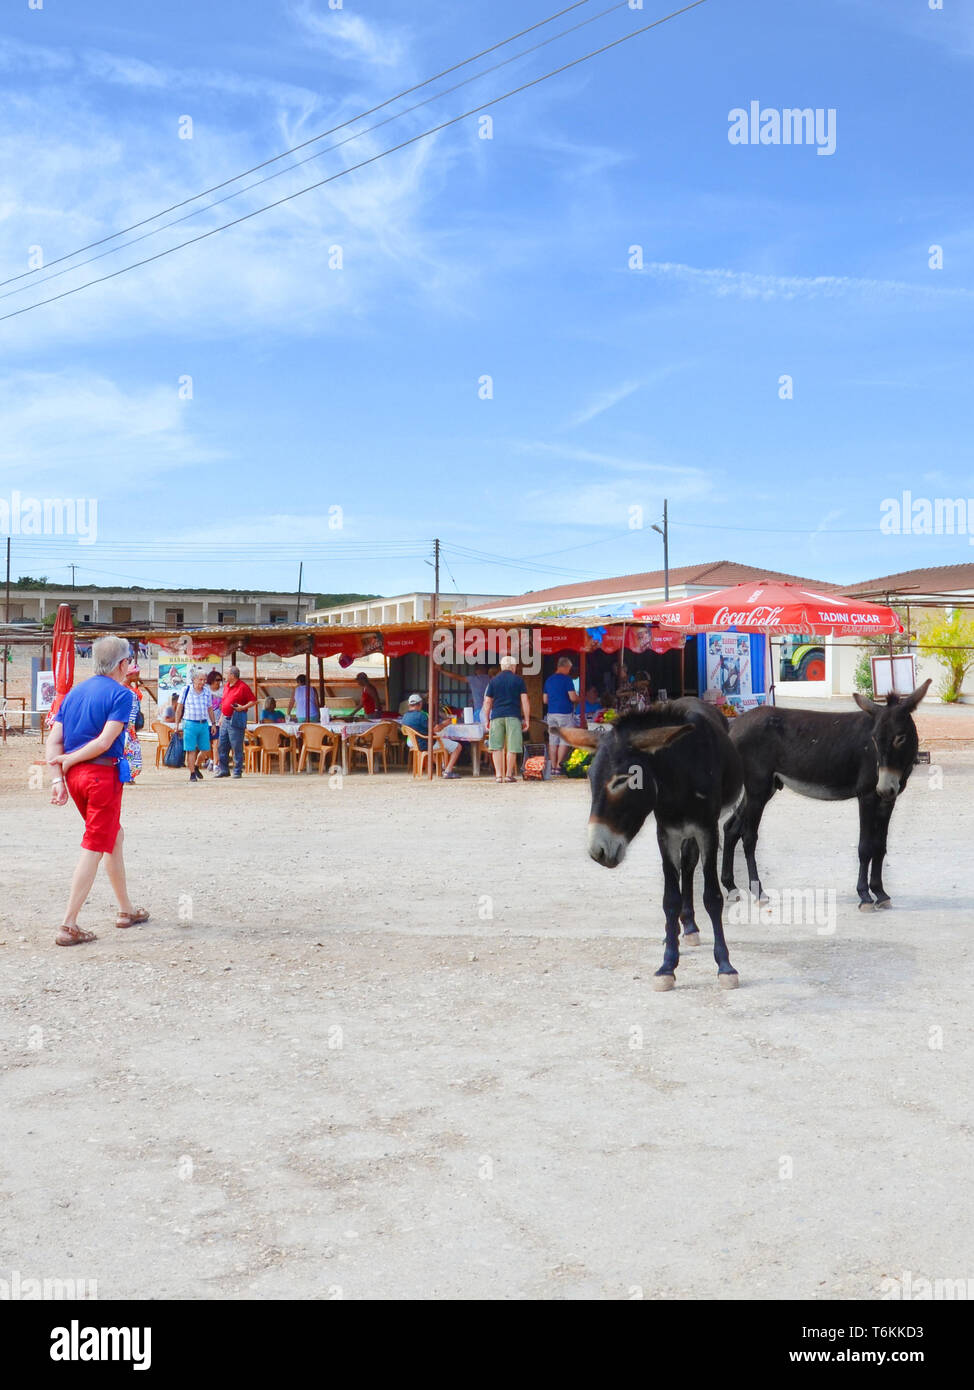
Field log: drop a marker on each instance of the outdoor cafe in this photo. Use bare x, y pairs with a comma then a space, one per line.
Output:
447, 661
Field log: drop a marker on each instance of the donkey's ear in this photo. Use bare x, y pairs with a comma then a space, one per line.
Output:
869, 706
911, 701
652, 740
580, 738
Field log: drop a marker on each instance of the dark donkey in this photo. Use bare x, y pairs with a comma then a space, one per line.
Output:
677, 762
833, 757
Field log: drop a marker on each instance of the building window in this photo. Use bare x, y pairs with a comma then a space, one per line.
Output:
278, 615
226, 615
174, 617
121, 615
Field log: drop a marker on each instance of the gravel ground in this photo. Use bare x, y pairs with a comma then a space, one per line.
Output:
399, 1040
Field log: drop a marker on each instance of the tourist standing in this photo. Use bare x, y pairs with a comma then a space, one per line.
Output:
238, 698
507, 711
560, 698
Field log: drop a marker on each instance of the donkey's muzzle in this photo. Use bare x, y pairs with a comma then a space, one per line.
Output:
606, 846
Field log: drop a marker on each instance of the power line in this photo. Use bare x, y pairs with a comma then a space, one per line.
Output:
303, 145
329, 149
404, 144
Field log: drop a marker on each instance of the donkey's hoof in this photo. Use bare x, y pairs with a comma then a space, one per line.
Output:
729, 979
691, 939
883, 902
734, 895
867, 907
662, 982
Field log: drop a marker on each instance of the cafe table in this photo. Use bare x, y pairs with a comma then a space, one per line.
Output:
473, 734
349, 729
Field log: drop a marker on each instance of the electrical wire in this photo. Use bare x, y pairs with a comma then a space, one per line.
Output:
329, 149
303, 145
404, 144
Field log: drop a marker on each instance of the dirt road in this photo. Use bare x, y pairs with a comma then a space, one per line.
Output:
399, 1040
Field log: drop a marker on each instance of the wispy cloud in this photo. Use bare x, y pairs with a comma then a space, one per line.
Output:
743, 284
613, 462
603, 402
348, 36
78, 431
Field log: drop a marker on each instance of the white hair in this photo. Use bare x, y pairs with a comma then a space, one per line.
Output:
508, 663
109, 652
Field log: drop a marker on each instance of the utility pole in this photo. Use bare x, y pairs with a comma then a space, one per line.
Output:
436, 569
72, 568
664, 531
300, 577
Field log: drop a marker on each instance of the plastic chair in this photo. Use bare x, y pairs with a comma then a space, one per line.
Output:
273, 744
163, 733
368, 744
316, 740
420, 755
252, 752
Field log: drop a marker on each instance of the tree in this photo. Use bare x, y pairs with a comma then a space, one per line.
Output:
949, 639
27, 581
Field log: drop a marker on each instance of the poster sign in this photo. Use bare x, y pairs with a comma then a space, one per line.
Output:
729, 663
44, 690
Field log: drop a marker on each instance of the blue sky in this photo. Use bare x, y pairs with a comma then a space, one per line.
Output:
508, 257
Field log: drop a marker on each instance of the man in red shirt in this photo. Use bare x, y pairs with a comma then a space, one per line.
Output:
238, 698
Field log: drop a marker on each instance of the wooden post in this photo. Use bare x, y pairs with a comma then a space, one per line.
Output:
683, 673
256, 692
581, 687
307, 681
321, 682
431, 702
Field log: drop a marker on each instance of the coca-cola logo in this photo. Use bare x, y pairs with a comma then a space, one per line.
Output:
755, 617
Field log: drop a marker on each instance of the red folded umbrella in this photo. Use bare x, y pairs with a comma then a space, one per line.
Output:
766, 606
62, 657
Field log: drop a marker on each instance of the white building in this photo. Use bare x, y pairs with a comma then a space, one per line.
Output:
403, 608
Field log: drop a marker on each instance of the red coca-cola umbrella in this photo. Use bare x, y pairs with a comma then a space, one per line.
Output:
773, 607
62, 657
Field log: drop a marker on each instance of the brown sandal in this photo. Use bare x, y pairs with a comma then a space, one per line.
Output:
132, 919
74, 936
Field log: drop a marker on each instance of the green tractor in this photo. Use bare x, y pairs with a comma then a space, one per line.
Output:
802, 658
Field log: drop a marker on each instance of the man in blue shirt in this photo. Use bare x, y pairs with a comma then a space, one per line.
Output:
86, 741
560, 698
507, 712
417, 719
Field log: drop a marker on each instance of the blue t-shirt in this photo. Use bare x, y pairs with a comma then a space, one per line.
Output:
556, 688
89, 707
419, 720
505, 691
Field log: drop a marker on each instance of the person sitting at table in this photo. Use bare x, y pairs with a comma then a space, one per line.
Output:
169, 713
270, 714
416, 718
303, 699
371, 701
593, 705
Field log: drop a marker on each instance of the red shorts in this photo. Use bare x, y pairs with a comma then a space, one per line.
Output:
96, 791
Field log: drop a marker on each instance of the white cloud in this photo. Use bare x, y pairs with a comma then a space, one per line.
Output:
80, 432
744, 284
603, 402
348, 36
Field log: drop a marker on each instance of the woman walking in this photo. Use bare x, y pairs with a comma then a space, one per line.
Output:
85, 751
